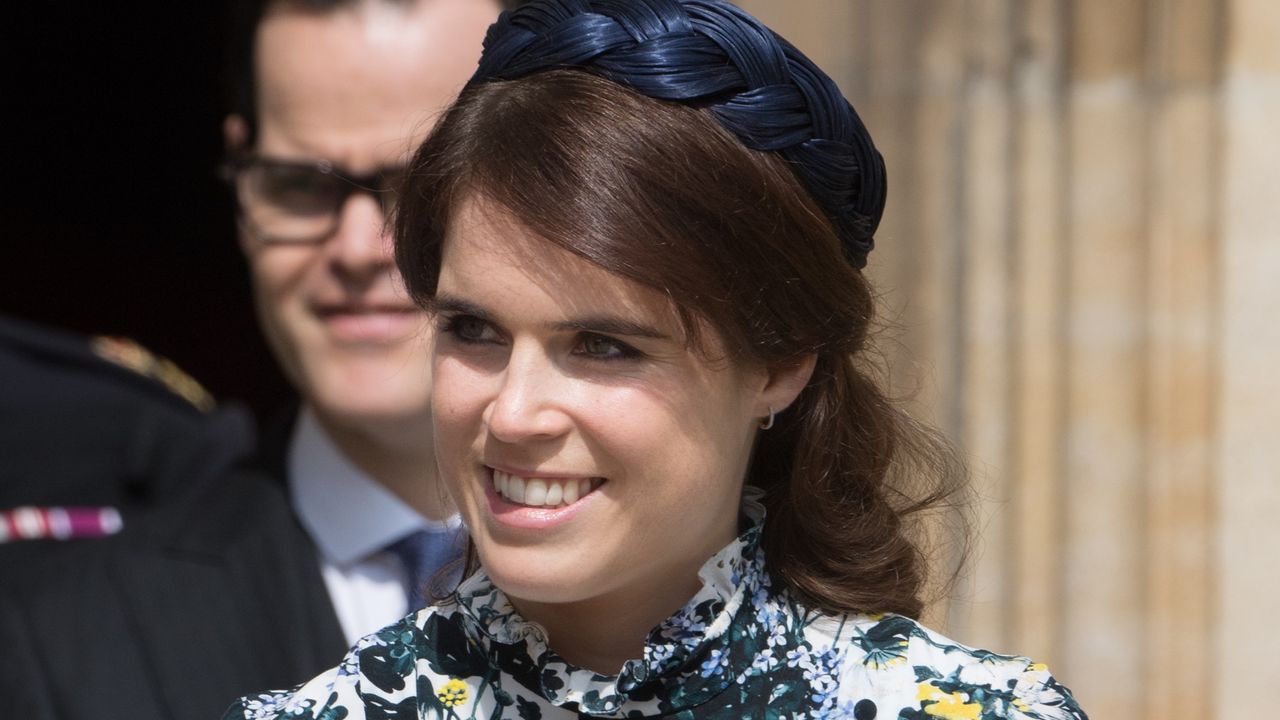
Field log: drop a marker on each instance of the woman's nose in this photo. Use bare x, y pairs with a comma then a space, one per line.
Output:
529, 401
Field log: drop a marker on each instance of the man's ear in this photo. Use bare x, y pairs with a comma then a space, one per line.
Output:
235, 132
784, 384
235, 135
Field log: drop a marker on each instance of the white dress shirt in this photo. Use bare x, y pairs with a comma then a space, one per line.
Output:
352, 518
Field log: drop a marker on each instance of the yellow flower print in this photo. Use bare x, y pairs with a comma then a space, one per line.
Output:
948, 706
453, 693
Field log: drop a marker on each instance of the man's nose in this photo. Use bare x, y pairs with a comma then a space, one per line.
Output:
361, 247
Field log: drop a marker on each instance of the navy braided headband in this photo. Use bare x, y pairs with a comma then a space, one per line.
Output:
711, 54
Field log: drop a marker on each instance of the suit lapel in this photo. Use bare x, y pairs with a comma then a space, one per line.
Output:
226, 595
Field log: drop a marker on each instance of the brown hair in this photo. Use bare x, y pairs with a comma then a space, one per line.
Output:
661, 194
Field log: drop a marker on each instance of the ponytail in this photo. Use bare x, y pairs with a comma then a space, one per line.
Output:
847, 475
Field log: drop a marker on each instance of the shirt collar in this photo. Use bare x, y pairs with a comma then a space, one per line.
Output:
348, 514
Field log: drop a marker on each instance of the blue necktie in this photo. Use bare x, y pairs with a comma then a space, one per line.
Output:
423, 553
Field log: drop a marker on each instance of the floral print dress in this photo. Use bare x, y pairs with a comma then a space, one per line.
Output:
740, 648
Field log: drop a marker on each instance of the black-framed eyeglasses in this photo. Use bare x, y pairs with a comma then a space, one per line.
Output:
300, 201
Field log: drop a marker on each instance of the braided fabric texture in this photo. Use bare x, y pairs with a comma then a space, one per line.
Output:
709, 53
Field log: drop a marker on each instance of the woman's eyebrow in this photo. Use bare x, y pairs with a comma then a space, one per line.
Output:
456, 305
602, 324
606, 325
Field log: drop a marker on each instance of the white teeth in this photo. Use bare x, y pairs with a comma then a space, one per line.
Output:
542, 492
554, 493
535, 493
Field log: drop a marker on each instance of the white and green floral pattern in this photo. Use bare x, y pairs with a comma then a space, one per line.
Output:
739, 649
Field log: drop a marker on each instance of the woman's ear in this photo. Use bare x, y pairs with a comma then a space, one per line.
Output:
784, 384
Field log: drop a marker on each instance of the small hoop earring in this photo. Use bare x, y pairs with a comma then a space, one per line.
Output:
768, 423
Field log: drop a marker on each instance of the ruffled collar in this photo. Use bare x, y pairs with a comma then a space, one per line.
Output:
688, 659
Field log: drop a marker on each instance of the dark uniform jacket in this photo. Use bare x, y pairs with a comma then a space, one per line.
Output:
101, 422
216, 597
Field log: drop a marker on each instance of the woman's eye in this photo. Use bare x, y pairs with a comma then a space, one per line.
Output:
468, 329
600, 347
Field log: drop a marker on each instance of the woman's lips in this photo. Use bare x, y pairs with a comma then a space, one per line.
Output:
538, 502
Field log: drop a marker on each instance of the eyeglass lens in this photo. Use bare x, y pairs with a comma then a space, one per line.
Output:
288, 202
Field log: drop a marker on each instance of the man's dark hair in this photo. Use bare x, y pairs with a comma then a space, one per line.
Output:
242, 20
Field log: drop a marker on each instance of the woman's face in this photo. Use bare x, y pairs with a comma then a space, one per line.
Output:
592, 454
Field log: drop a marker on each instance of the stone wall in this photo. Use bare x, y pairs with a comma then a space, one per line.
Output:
1081, 257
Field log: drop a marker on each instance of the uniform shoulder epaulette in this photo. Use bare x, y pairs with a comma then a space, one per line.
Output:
36, 345
130, 355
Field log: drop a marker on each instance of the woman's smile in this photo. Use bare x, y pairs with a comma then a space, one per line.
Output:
536, 503
543, 492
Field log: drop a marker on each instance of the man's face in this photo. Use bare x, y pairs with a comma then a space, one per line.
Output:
359, 88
